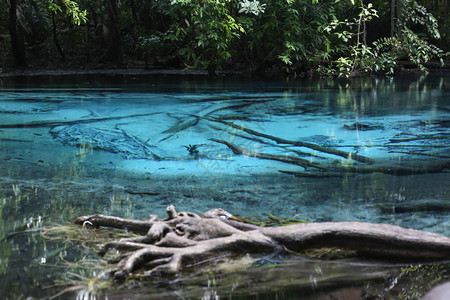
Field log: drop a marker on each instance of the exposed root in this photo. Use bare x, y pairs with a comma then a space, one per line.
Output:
185, 239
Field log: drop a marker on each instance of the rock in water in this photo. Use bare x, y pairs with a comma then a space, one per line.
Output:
115, 141
440, 292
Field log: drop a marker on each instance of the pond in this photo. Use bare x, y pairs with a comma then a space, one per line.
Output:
368, 149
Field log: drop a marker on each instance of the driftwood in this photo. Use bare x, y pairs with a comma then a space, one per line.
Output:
185, 238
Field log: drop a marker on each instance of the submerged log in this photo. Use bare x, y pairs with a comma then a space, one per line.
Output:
193, 120
317, 147
390, 169
52, 123
183, 238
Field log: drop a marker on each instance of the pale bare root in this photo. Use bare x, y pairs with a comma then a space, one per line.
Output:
186, 238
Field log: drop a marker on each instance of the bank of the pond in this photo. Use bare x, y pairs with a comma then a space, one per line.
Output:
118, 71
406, 69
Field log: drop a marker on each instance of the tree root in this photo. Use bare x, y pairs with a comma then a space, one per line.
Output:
99, 220
186, 238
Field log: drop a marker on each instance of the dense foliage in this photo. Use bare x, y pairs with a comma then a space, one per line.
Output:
339, 37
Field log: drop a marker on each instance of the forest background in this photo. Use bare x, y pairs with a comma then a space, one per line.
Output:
327, 37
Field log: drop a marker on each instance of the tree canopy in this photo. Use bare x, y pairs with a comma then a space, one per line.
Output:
337, 37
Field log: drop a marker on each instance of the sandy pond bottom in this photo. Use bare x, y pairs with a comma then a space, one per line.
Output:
37, 194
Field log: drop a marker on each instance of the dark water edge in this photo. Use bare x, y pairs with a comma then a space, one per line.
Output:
198, 78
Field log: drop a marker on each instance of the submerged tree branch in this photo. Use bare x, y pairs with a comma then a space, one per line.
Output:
328, 150
193, 120
391, 169
283, 158
49, 123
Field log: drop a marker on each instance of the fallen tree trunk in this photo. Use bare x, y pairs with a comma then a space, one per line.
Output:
283, 158
51, 123
391, 169
328, 150
184, 238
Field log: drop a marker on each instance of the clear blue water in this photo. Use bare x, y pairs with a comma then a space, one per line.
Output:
75, 145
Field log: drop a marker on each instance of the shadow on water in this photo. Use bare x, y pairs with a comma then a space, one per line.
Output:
120, 145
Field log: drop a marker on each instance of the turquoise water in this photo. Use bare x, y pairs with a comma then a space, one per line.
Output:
131, 146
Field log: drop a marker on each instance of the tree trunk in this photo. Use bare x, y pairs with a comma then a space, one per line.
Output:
113, 43
392, 18
55, 36
134, 13
17, 41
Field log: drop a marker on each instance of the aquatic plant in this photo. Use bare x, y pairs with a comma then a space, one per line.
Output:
192, 149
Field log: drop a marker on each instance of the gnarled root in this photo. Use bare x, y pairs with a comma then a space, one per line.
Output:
185, 238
